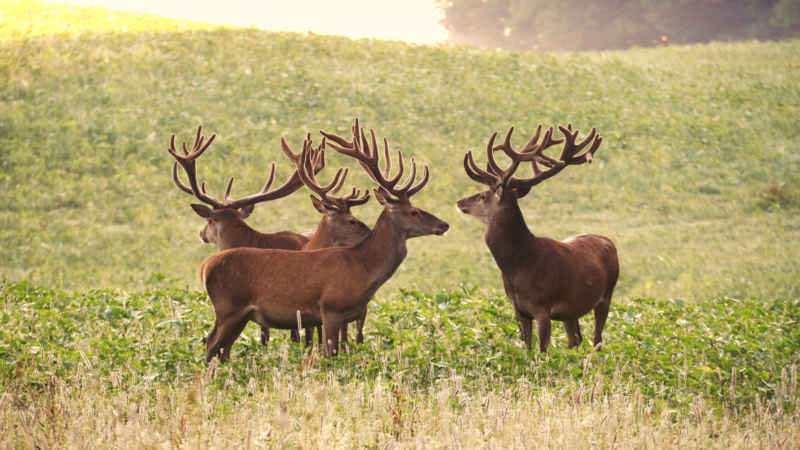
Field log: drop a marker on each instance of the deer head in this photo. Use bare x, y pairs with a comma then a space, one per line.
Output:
230, 213
409, 220
338, 227
504, 189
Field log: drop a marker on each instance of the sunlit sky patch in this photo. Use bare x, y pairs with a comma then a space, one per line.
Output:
415, 21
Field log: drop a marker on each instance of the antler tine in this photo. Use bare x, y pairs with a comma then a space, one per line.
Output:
491, 164
189, 164
411, 177
228, 191
355, 198
571, 148
325, 192
533, 152
516, 158
387, 166
294, 182
421, 184
370, 161
294, 157
178, 182
475, 172
567, 156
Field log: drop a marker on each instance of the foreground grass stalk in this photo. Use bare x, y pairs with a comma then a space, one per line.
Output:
321, 413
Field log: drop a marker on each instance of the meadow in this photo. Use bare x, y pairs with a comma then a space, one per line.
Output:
102, 311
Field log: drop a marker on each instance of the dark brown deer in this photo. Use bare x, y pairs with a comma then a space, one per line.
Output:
330, 286
544, 279
226, 226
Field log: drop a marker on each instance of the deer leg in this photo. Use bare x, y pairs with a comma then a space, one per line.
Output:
543, 323
224, 327
294, 335
573, 332
360, 326
525, 329
264, 335
309, 337
210, 336
319, 335
227, 341
600, 316
343, 333
331, 324
215, 340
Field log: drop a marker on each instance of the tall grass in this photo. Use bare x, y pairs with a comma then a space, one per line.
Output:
284, 412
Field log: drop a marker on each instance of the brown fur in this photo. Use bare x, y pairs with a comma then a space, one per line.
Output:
547, 279
544, 279
328, 286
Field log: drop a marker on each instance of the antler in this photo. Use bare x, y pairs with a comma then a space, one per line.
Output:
533, 152
359, 148
188, 162
342, 204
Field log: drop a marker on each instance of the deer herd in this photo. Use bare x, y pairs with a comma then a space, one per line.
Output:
323, 280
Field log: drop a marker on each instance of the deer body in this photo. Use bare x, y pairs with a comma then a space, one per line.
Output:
226, 226
544, 279
228, 230
329, 286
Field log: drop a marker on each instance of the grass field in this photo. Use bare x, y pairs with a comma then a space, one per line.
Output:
697, 182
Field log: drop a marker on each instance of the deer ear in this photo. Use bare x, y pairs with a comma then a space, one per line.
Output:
318, 204
245, 211
202, 210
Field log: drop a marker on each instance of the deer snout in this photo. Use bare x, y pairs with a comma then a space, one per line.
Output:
441, 228
462, 205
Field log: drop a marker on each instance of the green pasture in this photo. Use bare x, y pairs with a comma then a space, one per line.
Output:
696, 181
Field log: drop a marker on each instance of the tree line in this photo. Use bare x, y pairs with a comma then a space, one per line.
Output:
612, 24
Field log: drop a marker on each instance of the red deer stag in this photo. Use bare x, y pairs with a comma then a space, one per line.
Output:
544, 279
330, 286
226, 226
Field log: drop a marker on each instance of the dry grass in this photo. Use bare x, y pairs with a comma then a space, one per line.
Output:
286, 412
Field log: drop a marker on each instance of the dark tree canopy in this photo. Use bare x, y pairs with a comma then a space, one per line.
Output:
607, 24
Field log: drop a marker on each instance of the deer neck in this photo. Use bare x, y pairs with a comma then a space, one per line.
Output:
509, 238
383, 251
322, 238
238, 234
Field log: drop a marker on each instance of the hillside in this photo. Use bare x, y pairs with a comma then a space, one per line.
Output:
697, 179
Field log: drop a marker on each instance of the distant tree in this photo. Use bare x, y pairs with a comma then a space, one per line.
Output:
603, 24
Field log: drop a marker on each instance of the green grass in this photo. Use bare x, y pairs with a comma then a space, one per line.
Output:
694, 139
672, 359
670, 351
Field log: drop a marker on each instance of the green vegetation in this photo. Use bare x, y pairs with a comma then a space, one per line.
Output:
725, 354
102, 311
693, 137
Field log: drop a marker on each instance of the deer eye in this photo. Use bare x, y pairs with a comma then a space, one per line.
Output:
415, 213
353, 222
